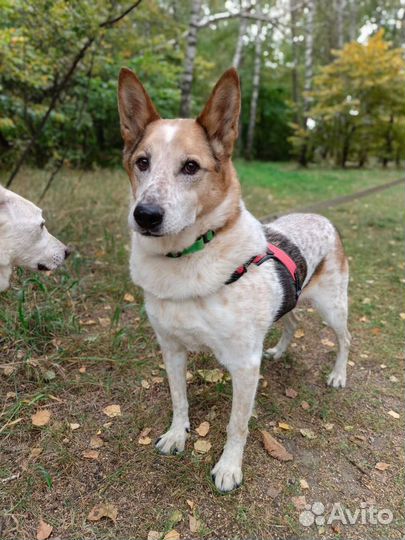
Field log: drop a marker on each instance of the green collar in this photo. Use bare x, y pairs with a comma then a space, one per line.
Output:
198, 245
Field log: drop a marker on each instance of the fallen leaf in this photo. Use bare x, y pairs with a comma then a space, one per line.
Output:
274, 448
172, 535
203, 429
393, 414
35, 452
308, 433
89, 322
145, 384
329, 426
327, 342
202, 446
128, 297
154, 535
8, 370
157, 380
44, 530
299, 502
381, 466
96, 442
305, 405
298, 334
366, 301
82, 369
143, 436
190, 503
376, 331
291, 393
41, 417
90, 454
189, 376
12, 395
304, 484
74, 426
402, 315
284, 425
211, 375
393, 378
103, 510
104, 322
348, 428
193, 524
112, 410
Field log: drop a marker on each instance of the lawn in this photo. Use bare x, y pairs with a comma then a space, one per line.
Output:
77, 341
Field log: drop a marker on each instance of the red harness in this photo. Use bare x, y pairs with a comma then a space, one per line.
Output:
272, 252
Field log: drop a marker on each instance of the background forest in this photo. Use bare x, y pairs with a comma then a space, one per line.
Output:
322, 80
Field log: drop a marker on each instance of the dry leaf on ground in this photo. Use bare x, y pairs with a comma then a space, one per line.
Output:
305, 405
327, 342
175, 517
41, 417
284, 425
103, 510
193, 524
381, 466
308, 433
203, 429
35, 452
202, 446
74, 426
190, 503
304, 484
96, 442
112, 410
393, 414
274, 448
211, 375
90, 454
172, 535
298, 334
44, 530
144, 439
154, 535
145, 384
128, 297
291, 393
299, 502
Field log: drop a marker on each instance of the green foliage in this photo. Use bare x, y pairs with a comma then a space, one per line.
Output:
358, 104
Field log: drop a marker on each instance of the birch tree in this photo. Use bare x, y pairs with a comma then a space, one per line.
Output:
189, 61
308, 71
261, 34
237, 57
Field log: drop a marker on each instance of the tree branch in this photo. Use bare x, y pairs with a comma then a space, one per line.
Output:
111, 22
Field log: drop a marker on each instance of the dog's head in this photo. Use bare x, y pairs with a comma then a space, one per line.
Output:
180, 170
24, 239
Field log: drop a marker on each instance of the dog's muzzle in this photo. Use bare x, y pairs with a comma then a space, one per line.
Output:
148, 217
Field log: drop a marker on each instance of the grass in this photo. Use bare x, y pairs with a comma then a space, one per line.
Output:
74, 342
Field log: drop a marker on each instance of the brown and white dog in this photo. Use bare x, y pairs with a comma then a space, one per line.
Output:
186, 193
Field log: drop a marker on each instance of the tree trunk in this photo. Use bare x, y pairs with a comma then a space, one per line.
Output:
340, 7
309, 72
294, 50
237, 57
353, 31
255, 91
191, 53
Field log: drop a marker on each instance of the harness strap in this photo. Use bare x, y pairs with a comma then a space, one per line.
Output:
272, 252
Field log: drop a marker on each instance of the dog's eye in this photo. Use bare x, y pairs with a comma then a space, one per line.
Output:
190, 167
142, 163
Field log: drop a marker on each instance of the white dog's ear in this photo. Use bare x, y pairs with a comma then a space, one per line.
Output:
135, 107
220, 116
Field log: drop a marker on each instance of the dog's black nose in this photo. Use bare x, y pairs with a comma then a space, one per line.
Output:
68, 251
148, 216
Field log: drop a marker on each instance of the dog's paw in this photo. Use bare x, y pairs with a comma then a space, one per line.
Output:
172, 442
337, 379
226, 476
274, 352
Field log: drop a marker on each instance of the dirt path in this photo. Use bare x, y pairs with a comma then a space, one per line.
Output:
329, 203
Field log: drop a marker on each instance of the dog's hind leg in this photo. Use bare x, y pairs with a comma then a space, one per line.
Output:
328, 293
227, 473
290, 323
175, 359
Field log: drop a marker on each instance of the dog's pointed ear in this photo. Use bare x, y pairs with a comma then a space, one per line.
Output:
220, 117
135, 107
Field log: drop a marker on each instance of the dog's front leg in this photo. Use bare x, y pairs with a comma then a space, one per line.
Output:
227, 473
175, 359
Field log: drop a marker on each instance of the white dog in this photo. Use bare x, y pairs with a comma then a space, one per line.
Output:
24, 239
213, 276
